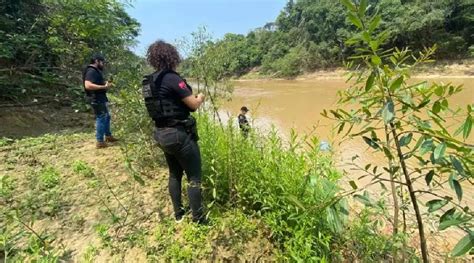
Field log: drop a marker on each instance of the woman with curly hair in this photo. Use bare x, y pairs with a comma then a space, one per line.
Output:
169, 100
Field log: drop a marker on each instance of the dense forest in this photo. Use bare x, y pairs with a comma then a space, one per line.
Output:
312, 34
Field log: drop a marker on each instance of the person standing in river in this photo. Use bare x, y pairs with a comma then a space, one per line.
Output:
96, 88
169, 100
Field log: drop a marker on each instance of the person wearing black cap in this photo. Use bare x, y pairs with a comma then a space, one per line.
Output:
243, 122
96, 88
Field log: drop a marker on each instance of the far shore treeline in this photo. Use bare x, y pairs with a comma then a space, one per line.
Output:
311, 34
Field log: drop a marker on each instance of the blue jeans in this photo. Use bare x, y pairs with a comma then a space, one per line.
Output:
102, 121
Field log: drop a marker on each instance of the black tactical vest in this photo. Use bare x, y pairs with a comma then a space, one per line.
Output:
90, 94
161, 110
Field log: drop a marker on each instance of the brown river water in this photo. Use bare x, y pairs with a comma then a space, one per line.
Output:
297, 104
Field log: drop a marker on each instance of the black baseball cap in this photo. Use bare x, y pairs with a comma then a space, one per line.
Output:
98, 57
244, 108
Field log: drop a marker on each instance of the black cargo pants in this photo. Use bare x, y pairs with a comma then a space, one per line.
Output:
182, 154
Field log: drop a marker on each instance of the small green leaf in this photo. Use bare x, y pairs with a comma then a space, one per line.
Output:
458, 189
341, 128
387, 153
439, 91
349, 5
406, 139
138, 179
457, 165
353, 185
444, 104
436, 107
447, 215
396, 84
429, 177
467, 127
375, 23
388, 112
423, 103
426, 146
366, 36
374, 45
295, 200
453, 222
376, 60
464, 245
419, 142
436, 204
371, 142
324, 113
336, 115
370, 82
355, 20
362, 7
439, 151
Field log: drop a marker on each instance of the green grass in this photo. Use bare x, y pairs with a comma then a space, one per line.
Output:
82, 168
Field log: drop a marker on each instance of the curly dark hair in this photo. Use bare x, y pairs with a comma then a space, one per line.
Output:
162, 55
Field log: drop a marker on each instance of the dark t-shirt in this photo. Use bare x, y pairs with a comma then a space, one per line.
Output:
175, 88
95, 76
243, 122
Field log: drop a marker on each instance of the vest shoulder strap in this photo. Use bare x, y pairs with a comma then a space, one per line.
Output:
159, 75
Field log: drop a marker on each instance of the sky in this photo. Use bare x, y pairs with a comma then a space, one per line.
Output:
171, 20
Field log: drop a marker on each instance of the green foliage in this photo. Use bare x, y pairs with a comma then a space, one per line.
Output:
44, 44
364, 241
81, 167
308, 34
286, 66
407, 123
294, 190
49, 177
102, 231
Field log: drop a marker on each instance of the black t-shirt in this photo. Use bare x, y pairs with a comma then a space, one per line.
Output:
95, 76
243, 122
175, 88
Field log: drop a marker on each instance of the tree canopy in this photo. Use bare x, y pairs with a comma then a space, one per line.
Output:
311, 34
46, 43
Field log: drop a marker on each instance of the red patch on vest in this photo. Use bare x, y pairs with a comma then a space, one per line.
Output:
182, 85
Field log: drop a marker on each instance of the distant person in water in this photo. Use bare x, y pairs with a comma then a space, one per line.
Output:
243, 122
96, 89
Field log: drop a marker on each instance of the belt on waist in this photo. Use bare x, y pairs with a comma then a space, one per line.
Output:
169, 123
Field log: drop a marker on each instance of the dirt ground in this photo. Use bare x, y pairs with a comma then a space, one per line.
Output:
32, 120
